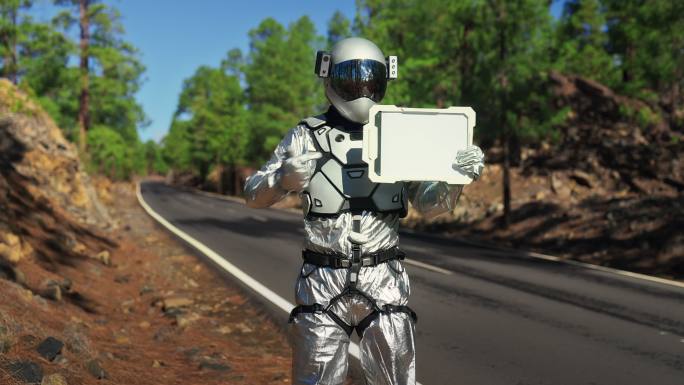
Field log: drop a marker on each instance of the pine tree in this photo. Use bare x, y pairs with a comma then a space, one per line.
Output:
109, 70
646, 39
209, 123
339, 27
281, 90
518, 37
12, 27
582, 41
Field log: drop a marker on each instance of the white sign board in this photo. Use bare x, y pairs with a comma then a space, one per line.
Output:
416, 144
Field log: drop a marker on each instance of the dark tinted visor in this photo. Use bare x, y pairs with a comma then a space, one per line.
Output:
353, 79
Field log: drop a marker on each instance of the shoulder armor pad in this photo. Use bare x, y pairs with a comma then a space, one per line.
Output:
314, 121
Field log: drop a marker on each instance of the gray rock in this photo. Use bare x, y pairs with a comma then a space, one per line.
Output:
9, 272
28, 340
146, 289
176, 302
25, 371
53, 292
5, 345
104, 257
65, 284
61, 360
50, 348
96, 370
213, 365
123, 278
54, 379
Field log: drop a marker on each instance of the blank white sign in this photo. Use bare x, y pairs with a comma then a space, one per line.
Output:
414, 144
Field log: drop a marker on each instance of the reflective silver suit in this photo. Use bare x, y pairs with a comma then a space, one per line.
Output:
321, 345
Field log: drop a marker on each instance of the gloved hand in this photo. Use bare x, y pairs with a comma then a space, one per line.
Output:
469, 161
295, 172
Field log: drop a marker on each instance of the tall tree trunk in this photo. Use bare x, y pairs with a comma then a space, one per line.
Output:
220, 170
13, 54
235, 188
627, 65
6, 38
83, 108
505, 142
506, 220
465, 63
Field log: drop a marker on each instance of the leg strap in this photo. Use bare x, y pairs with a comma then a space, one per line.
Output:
387, 309
317, 308
361, 327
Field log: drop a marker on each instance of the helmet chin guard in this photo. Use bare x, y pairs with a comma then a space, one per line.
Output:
356, 110
355, 76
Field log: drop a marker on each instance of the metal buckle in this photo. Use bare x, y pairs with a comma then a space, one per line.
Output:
341, 263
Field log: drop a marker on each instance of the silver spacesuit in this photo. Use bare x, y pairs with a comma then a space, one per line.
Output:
352, 277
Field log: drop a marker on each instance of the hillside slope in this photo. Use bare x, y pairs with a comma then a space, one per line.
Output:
92, 292
610, 191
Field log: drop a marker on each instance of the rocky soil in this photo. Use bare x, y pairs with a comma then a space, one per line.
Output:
92, 291
147, 312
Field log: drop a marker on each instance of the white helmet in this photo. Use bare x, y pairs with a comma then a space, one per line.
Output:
355, 74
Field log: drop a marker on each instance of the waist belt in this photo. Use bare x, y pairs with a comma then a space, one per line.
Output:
339, 261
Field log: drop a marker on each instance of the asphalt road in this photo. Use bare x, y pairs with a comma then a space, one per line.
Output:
491, 317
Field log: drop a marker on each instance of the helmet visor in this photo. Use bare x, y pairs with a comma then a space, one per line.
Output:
359, 78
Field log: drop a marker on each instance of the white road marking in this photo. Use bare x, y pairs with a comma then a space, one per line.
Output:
533, 254
259, 218
252, 283
605, 269
428, 267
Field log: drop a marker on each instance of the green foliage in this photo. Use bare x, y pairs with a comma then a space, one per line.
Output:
13, 27
646, 39
209, 125
154, 160
581, 41
339, 28
110, 155
280, 90
41, 58
490, 55
115, 72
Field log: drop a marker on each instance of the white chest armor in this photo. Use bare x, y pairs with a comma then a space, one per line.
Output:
340, 183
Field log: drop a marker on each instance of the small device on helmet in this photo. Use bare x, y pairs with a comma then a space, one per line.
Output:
323, 63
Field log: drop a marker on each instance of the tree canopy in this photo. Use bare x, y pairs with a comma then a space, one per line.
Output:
493, 55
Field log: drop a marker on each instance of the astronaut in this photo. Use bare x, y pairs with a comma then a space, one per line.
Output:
352, 278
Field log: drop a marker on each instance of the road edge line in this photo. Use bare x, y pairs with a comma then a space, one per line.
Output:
252, 283
526, 253
546, 257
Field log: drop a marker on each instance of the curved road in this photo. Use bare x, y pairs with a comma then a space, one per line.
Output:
485, 316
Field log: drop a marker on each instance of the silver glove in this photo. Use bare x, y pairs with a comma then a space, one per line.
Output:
470, 162
295, 172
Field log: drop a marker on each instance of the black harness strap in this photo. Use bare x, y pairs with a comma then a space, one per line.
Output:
340, 261
346, 327
315, 308
387, 309
361, 326
318, 308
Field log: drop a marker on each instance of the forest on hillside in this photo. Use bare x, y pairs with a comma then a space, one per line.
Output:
503, 58
83, 72
500, 57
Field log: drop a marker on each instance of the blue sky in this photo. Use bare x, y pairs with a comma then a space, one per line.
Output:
177, 36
